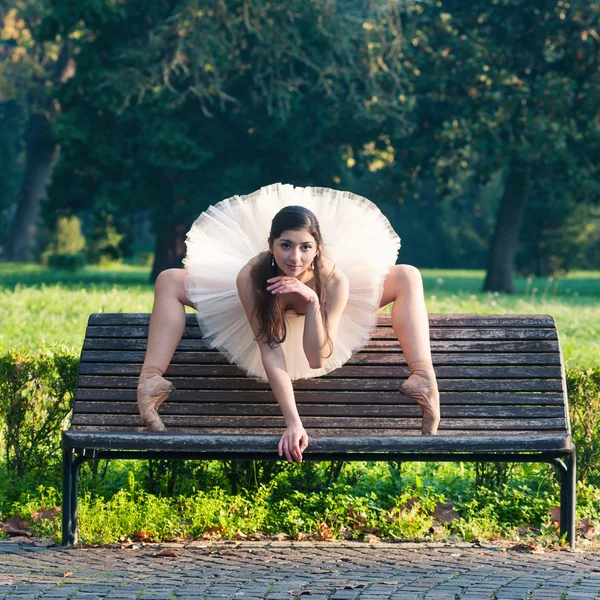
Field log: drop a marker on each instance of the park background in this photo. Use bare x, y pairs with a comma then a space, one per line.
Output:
475, 128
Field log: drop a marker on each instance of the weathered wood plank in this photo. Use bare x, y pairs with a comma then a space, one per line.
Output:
390, 442
435, 320
444, 437
317, 397
361, 358
326, 383
541, 346
359, 371
328, 410
247, 423
442, 333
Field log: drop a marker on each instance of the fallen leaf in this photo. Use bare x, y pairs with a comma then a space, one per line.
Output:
325, 532
410, 504
68, 574
142, 536
587, 530
44, 513
436, 528
167, 552
17, 522
352, 586
371, 538
531, 547
445, 513
300, 592
389, 582
301, 536
11, 531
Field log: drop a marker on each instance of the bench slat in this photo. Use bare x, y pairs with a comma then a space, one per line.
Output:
367, 371
373, 346
381, 333
435, 320
362, 358
325, 383
244, 423
398, 410
304, 397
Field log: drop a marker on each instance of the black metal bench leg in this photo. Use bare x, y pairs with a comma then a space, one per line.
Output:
568, 471
67, 515
568, 498
69, 518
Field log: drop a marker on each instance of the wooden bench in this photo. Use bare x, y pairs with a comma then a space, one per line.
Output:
501, 378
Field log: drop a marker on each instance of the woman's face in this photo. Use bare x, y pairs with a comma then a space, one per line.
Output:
294, 251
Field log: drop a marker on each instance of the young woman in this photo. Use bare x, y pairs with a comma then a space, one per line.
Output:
283, 305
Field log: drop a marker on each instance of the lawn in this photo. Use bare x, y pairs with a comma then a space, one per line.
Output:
39, 306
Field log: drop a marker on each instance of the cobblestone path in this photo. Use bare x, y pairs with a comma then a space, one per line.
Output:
285, 570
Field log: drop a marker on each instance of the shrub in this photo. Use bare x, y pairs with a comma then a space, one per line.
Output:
36, 392
583, 387
65, 250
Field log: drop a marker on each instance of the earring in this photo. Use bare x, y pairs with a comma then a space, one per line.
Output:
312, 265
272, 260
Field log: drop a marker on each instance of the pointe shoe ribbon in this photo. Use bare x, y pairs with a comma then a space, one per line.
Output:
424, 391
151, 393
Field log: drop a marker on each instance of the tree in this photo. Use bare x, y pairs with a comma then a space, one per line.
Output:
27, 76
509, 86
174, 106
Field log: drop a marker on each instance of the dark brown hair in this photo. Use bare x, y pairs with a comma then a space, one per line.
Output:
268, 311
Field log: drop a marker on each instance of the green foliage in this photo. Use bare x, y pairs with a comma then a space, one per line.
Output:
104, 241
36, 393
583, 386
67, 238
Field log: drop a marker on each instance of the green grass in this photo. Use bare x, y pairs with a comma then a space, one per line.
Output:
39, 306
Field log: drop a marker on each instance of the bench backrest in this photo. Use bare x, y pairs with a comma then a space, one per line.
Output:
496, 374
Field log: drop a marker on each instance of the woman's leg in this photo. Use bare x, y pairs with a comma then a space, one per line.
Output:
404, 287
164, 334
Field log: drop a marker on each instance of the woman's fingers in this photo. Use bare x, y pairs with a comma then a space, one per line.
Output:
303, 443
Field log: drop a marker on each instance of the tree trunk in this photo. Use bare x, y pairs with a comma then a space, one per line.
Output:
169, 247
501, 257
41, 156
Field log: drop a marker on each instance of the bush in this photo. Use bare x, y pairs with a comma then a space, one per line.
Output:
66, 247
583, 386
36, 393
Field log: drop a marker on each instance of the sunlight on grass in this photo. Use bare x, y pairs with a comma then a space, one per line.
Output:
39, 306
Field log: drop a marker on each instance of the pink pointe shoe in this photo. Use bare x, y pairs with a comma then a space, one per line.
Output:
151, 393
424, 391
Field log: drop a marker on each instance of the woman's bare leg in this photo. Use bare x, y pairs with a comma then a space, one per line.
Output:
404, 287
164, 334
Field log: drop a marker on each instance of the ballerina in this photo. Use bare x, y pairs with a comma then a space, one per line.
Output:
283, 305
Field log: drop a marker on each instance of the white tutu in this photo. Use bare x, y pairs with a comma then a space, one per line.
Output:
357, 238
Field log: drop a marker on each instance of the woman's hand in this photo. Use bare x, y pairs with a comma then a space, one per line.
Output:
293, 442
283, 284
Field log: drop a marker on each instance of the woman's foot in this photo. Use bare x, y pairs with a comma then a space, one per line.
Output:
424, 391
151, 393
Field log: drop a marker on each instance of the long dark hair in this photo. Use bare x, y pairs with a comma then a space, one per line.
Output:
268, 310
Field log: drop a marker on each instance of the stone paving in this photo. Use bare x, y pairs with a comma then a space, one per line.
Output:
283, 570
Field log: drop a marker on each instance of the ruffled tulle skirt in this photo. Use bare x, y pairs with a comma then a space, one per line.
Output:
357, 238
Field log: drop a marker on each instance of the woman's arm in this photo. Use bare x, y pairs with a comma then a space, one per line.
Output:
314, 341
294, 440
